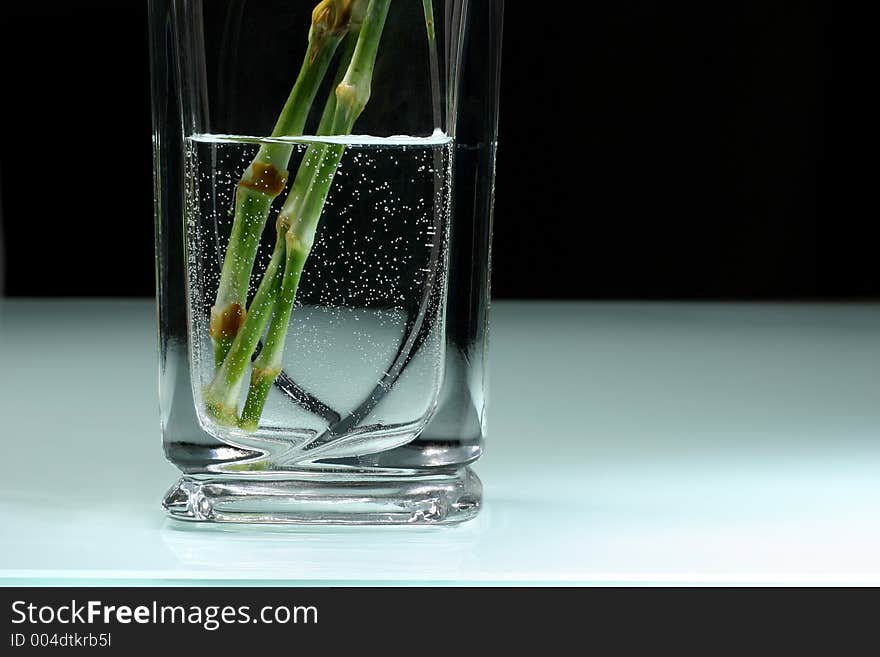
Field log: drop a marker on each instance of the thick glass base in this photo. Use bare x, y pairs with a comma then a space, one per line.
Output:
328, 498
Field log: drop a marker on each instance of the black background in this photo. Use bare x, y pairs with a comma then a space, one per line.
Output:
647, 150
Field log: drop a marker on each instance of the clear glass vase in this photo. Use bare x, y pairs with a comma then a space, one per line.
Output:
323, 185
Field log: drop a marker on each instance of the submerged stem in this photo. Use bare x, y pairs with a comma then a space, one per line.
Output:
351, 96
221, 396
267, 366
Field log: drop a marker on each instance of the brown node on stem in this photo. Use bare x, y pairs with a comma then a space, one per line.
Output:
328, 17
282, 223
265, 178
268, 373
225, 323
331, 15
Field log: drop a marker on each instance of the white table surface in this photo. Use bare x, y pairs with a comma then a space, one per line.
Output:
629, 443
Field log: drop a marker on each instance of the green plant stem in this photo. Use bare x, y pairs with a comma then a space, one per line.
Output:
222, 395
352, 94
428, 7
267, 366
314, 154
266, 176
221, 399
297, 246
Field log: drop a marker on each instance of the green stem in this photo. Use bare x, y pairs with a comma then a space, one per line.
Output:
314, 154
222, 395
434, 63
221, 398
265, 370
428, 7
352, 95
298, 245
266, 176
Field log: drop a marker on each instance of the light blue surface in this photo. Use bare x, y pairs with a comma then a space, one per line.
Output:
629, 443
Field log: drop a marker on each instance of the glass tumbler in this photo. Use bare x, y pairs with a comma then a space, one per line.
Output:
323, 200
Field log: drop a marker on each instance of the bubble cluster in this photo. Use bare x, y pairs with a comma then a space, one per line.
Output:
378, 260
